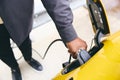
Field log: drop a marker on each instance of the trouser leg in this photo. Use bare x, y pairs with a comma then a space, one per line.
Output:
6, 53
26, 49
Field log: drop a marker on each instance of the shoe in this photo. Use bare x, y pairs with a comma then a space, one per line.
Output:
16, 74
35, 64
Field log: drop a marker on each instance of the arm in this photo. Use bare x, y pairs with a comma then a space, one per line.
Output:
61, 14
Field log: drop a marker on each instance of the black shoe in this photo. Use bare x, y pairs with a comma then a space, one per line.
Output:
16, 74
35, 64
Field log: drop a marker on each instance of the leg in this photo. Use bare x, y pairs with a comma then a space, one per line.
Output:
26, 49
6, 53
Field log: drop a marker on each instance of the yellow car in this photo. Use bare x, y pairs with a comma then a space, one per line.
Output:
102, 61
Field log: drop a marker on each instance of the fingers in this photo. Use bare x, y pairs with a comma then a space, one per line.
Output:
73, 54
75, 45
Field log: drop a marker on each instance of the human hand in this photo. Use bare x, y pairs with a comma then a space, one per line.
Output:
75, 45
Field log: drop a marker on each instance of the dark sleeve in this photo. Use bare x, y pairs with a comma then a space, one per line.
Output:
61, 14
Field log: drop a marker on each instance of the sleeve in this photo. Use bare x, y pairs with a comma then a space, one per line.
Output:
61, 14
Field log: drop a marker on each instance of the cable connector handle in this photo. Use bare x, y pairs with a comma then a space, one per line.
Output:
83, 56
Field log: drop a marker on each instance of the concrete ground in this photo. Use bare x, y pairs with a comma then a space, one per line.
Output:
57, 54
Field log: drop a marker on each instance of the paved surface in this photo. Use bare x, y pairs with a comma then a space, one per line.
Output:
57, 54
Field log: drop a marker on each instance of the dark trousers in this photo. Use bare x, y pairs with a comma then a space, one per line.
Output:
6, 52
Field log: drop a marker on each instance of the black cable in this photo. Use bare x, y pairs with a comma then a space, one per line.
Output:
70, 59
50, 46
37, 53
45, 51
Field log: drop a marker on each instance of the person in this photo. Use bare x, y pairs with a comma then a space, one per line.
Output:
17, 16
7, 56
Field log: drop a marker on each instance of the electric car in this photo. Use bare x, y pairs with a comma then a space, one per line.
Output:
102, 61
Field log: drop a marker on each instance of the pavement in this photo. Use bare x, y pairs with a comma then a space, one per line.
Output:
57, 54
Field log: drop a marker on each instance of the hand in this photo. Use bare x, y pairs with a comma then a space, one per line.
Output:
74, 45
